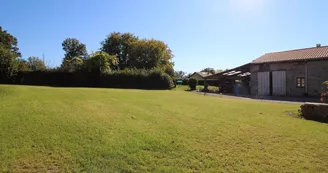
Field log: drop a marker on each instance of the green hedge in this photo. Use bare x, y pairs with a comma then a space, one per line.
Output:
140, 79
193, 83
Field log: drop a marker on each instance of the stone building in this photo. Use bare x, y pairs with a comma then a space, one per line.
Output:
298, 72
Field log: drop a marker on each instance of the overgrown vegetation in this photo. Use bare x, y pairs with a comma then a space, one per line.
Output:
324, 94
48, 129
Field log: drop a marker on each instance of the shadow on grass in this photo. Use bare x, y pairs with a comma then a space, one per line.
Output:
298, 114
79, 86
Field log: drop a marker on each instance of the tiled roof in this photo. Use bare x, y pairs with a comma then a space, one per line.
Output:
204, 74
294, 55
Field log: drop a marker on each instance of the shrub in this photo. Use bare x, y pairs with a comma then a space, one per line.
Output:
185, 81
131, 78
135, 78
101, 61
192, 83
210, 89
205, 89
324, 94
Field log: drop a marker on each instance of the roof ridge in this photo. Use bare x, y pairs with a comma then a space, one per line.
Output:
296, 49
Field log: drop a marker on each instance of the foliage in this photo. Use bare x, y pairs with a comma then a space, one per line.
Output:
22, 65
179, 74
36, 64
188, 75
75, 54
102, 62
9, 53
128, 130
149, 54
8, 64
138, 78
168, 68
119, 45
210, 89
324, 94
185, 81
209, 70
192, 83
129, 78
76, 64
7, 41
133, 52
73, 48
218, 71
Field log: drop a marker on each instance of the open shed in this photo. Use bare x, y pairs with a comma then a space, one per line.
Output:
234, 81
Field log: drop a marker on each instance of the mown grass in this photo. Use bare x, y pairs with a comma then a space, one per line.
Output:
113, 130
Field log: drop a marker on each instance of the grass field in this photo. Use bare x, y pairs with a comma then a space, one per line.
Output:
45, 129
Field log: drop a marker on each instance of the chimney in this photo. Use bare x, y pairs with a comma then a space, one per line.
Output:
318, 45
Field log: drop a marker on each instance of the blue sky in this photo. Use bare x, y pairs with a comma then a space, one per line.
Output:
201, 33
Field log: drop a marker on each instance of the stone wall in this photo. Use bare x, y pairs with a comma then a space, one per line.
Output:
317, 73
315, 111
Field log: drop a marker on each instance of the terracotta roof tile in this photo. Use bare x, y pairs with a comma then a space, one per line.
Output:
294, 55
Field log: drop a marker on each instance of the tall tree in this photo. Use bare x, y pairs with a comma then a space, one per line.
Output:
75, 64
132, 52
119, 45
73, 48
7, 41
9, 53
36, 64
8, 64
150, 54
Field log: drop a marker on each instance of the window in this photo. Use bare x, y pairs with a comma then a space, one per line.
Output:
300, 82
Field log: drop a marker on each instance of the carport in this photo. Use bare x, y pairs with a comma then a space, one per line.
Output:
233, 81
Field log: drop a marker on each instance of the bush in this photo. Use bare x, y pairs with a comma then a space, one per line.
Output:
58, 78
193, 83
185, 81
205, 89
140, 79
324, 94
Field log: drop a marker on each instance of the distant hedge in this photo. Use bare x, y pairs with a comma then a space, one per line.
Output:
193, 83
139, 79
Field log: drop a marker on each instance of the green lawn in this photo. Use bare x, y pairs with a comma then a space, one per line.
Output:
115, 130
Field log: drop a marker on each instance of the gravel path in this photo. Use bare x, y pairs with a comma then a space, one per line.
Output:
285, 100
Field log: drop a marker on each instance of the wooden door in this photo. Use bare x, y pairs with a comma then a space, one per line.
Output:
279, 83
263, 83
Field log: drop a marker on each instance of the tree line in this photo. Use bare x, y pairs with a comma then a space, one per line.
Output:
118, 51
